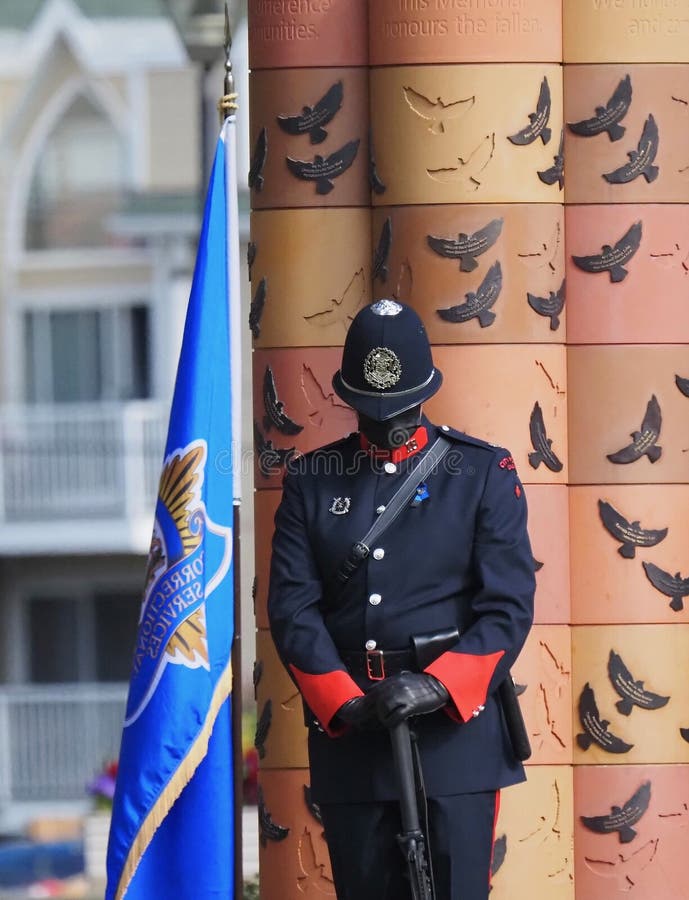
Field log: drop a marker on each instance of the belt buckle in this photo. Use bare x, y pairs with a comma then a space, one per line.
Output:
375, 666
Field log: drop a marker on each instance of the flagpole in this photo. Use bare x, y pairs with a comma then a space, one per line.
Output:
227, 107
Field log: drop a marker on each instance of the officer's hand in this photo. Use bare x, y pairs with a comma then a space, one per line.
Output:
360, 712
408, 694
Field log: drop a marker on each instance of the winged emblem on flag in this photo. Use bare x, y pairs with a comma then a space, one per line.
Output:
189, 557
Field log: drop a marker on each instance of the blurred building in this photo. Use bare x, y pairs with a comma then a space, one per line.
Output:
99, 215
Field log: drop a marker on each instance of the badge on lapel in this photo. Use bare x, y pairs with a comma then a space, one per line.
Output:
340, 506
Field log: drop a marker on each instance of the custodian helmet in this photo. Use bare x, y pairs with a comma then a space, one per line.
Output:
387, 365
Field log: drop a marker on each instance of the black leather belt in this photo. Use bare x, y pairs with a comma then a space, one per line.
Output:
378, 664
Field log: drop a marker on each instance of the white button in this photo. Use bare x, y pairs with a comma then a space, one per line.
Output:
481, 708
370, 645
474, 713
374, 600
378, 553
445, 427
380, 509
390, 468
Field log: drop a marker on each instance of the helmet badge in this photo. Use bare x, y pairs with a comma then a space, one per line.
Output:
382, 368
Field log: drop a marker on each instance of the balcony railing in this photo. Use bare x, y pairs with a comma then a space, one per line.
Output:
54, 739
79, 463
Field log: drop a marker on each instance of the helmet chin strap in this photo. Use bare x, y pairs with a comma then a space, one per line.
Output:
391, 433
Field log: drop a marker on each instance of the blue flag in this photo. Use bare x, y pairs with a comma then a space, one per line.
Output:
172, 826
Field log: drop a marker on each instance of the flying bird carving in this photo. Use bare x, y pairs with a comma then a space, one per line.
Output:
477, 305
313, 879
673, 586
256, 308
258, 161
640, 160
621, 818
436, 112
596, 729
250, 256
375, 181
632, 692
613, 259
379, 268
312, 118
341, 311
682, 385
270, 459
324, 405
275, 409
267, 829
555, 174
311, 805
547, 254
631, 534
322, 170
644, 440
608, 117
257, 673
499, 854
468, 169
549, 307
542, 444
538, 121
262, 728
467, 246
625, 869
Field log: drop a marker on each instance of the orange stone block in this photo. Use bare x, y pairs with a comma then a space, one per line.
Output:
293, 855
533, 856
618, 399
280, 730
608, 31
544, 671
295, 407
310, 275
643, 157
475, 273
309, 134
630, 831
630, 687
446, 31
290, 33
467, 134
619, 533
549, 535
265, 505
510, 395
640, 301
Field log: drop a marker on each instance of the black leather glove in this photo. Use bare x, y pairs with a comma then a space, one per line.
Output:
408, 694
360, 712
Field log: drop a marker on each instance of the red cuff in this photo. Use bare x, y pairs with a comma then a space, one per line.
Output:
324, 694
466, 678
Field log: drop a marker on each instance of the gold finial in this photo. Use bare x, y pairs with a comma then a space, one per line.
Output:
227, 105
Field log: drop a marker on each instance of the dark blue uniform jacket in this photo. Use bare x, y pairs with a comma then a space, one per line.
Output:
460, 557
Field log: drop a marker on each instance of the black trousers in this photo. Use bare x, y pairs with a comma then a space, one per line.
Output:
368, 864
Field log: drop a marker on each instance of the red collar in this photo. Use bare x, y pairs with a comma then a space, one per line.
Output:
415, 443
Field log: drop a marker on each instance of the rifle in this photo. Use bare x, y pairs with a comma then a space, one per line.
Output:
411, 840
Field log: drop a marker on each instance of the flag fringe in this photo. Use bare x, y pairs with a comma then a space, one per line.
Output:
176, 785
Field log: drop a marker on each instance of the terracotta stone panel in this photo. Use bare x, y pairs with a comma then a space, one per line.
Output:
295, 863
534, 838
300, 379
265, 504
312, 269
281, 734
494, 392
644, 31
437, 255
651, 862
610, 586
630, 687
549, 535
653, 104
446, 31
544, 669
441, 133
649, 305
611, 391
291, 33
336, 152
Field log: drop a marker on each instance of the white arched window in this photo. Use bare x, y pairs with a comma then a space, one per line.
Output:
78, 182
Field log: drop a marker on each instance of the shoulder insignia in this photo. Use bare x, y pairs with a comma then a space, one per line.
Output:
507, 463
463, 438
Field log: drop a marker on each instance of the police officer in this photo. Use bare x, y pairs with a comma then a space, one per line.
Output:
457, 556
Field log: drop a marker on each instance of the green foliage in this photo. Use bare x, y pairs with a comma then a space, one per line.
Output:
251, 889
